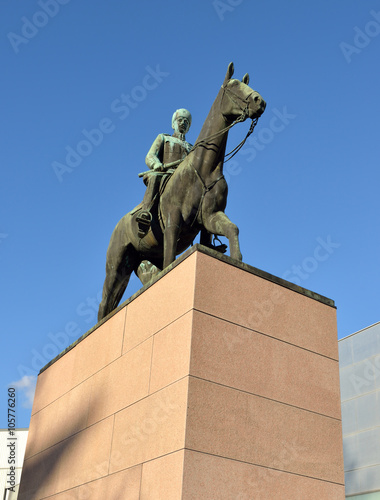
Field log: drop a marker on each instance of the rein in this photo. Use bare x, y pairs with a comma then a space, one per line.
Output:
231, 154
240, 118
206, 189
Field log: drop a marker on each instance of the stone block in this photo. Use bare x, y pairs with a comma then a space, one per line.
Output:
217, 380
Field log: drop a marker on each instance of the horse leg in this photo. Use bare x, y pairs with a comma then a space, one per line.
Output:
218, 223
206, 238
118, 273
171, 234
113, 290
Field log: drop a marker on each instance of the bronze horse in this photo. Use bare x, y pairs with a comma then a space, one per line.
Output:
193, 200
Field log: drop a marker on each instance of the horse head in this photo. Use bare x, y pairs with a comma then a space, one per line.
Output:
239, 100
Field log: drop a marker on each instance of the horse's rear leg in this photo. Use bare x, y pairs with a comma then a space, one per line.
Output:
171, 233
118, 271
218, 223
113, 290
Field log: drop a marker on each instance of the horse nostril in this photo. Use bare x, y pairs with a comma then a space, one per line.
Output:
257, 99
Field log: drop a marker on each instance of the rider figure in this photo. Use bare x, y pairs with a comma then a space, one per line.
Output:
165, 149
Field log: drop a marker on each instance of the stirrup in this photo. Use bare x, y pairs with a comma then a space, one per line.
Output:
222, 248
143, 219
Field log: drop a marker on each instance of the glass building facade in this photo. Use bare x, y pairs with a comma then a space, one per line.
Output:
359, 363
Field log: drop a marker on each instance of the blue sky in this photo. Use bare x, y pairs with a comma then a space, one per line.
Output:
303, 190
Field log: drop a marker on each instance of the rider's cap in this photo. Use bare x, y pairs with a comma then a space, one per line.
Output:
181, 112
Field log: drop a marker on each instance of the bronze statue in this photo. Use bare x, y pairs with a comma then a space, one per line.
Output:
166, 150
192, 199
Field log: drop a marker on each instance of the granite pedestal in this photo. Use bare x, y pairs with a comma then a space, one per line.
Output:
217, 381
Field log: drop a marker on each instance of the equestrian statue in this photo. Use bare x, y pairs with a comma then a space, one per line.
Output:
186, 194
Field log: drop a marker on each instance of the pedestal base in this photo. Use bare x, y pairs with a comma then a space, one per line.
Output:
218, 381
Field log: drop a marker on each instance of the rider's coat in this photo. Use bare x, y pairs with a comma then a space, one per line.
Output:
167, 149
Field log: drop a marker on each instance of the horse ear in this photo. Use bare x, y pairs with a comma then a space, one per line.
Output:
230, 72
246, 79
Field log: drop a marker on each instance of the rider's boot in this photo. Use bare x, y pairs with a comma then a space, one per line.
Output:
144, 217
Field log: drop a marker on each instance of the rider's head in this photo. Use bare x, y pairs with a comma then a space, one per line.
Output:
181, 121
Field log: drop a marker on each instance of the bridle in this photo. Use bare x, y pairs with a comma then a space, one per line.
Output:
244, 114
236, 97
241, 118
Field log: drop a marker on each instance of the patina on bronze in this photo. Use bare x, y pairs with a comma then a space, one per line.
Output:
193, 199
164, 155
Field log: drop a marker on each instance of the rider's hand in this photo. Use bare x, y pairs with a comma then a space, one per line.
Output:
158, 167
